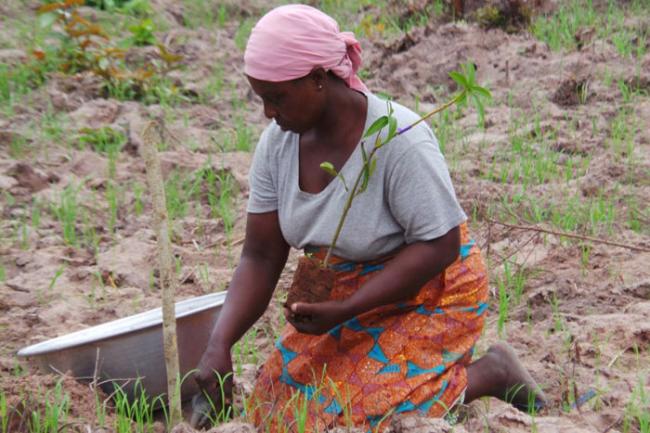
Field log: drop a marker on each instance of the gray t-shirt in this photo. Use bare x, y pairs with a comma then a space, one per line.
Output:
409, 197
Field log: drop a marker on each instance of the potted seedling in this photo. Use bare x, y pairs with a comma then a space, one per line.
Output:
314, 278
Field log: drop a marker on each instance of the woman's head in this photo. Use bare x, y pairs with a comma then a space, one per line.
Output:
293, 54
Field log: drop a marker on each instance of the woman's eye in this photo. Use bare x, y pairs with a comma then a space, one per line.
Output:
275, 100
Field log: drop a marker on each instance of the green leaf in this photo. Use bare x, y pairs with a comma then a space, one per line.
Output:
329, 168
47, 19
459, 79
482, 91
376, 126
104, 63
366, 169
479, 107
470, 72
392, 128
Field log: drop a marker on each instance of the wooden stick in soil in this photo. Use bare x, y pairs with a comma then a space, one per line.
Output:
150, 137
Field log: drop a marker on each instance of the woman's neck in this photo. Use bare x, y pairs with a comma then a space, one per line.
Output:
344, 113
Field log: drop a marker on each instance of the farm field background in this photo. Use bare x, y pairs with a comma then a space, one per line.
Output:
565, 146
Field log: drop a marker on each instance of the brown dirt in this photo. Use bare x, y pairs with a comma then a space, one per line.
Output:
311, 282
580, 324
29, 394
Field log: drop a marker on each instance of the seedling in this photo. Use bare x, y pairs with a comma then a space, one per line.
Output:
142, 33
137, 415
4, 413
313, 279
66, 213
207, 411
86, 46
137, 198
55, 412
104, 140
504, 306
113, 205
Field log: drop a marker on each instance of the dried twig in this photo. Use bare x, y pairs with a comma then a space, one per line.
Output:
573, 236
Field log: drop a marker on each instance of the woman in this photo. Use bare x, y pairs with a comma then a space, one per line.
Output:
398, 332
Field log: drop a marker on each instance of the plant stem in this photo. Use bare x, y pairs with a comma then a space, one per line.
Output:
353, 192
431, 113
348, 205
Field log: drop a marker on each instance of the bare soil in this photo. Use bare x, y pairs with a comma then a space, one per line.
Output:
581, 325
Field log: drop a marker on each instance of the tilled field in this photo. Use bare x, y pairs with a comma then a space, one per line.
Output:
565, 147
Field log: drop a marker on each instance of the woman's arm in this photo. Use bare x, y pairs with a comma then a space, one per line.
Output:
400, 280
263, 257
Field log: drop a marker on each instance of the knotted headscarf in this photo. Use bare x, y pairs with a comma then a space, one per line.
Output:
290, 41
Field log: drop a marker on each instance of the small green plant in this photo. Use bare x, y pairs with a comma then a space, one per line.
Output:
138, 207
113, 205
222, 413
215, 84
504, 306
100, 411
55, 278
4, 413
86, 46
243, 32
104, 140
134, 416
24, 235
66, 213
56, 406
142, 33
108, 4
242, 136
17, 146
175, 196
36, 214
469, 91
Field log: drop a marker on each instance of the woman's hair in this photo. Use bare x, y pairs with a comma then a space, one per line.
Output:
290, 41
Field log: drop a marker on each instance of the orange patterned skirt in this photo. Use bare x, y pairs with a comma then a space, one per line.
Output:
399, 358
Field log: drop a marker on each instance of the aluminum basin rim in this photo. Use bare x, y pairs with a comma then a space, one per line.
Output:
123, 326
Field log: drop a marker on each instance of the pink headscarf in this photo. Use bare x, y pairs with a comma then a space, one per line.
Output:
290, 41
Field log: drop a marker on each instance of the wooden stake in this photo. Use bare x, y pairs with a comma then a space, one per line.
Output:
152, 135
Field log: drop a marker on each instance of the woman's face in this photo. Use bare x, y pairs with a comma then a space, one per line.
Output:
295, 105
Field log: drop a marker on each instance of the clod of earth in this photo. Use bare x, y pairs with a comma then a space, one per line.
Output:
311, 283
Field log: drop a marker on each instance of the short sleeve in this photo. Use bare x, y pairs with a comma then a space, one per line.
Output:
420, 193
263, 195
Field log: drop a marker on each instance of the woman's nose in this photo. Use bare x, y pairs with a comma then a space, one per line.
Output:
270, 111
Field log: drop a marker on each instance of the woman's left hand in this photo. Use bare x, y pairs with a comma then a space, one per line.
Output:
318, 318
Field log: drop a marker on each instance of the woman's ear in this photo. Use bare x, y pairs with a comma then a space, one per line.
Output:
319, 78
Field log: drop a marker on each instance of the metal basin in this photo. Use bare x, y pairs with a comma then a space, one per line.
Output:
131, 348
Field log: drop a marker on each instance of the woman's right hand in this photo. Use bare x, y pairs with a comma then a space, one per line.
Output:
214, 376
264, 255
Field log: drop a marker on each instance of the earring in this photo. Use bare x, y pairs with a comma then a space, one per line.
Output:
320, 87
